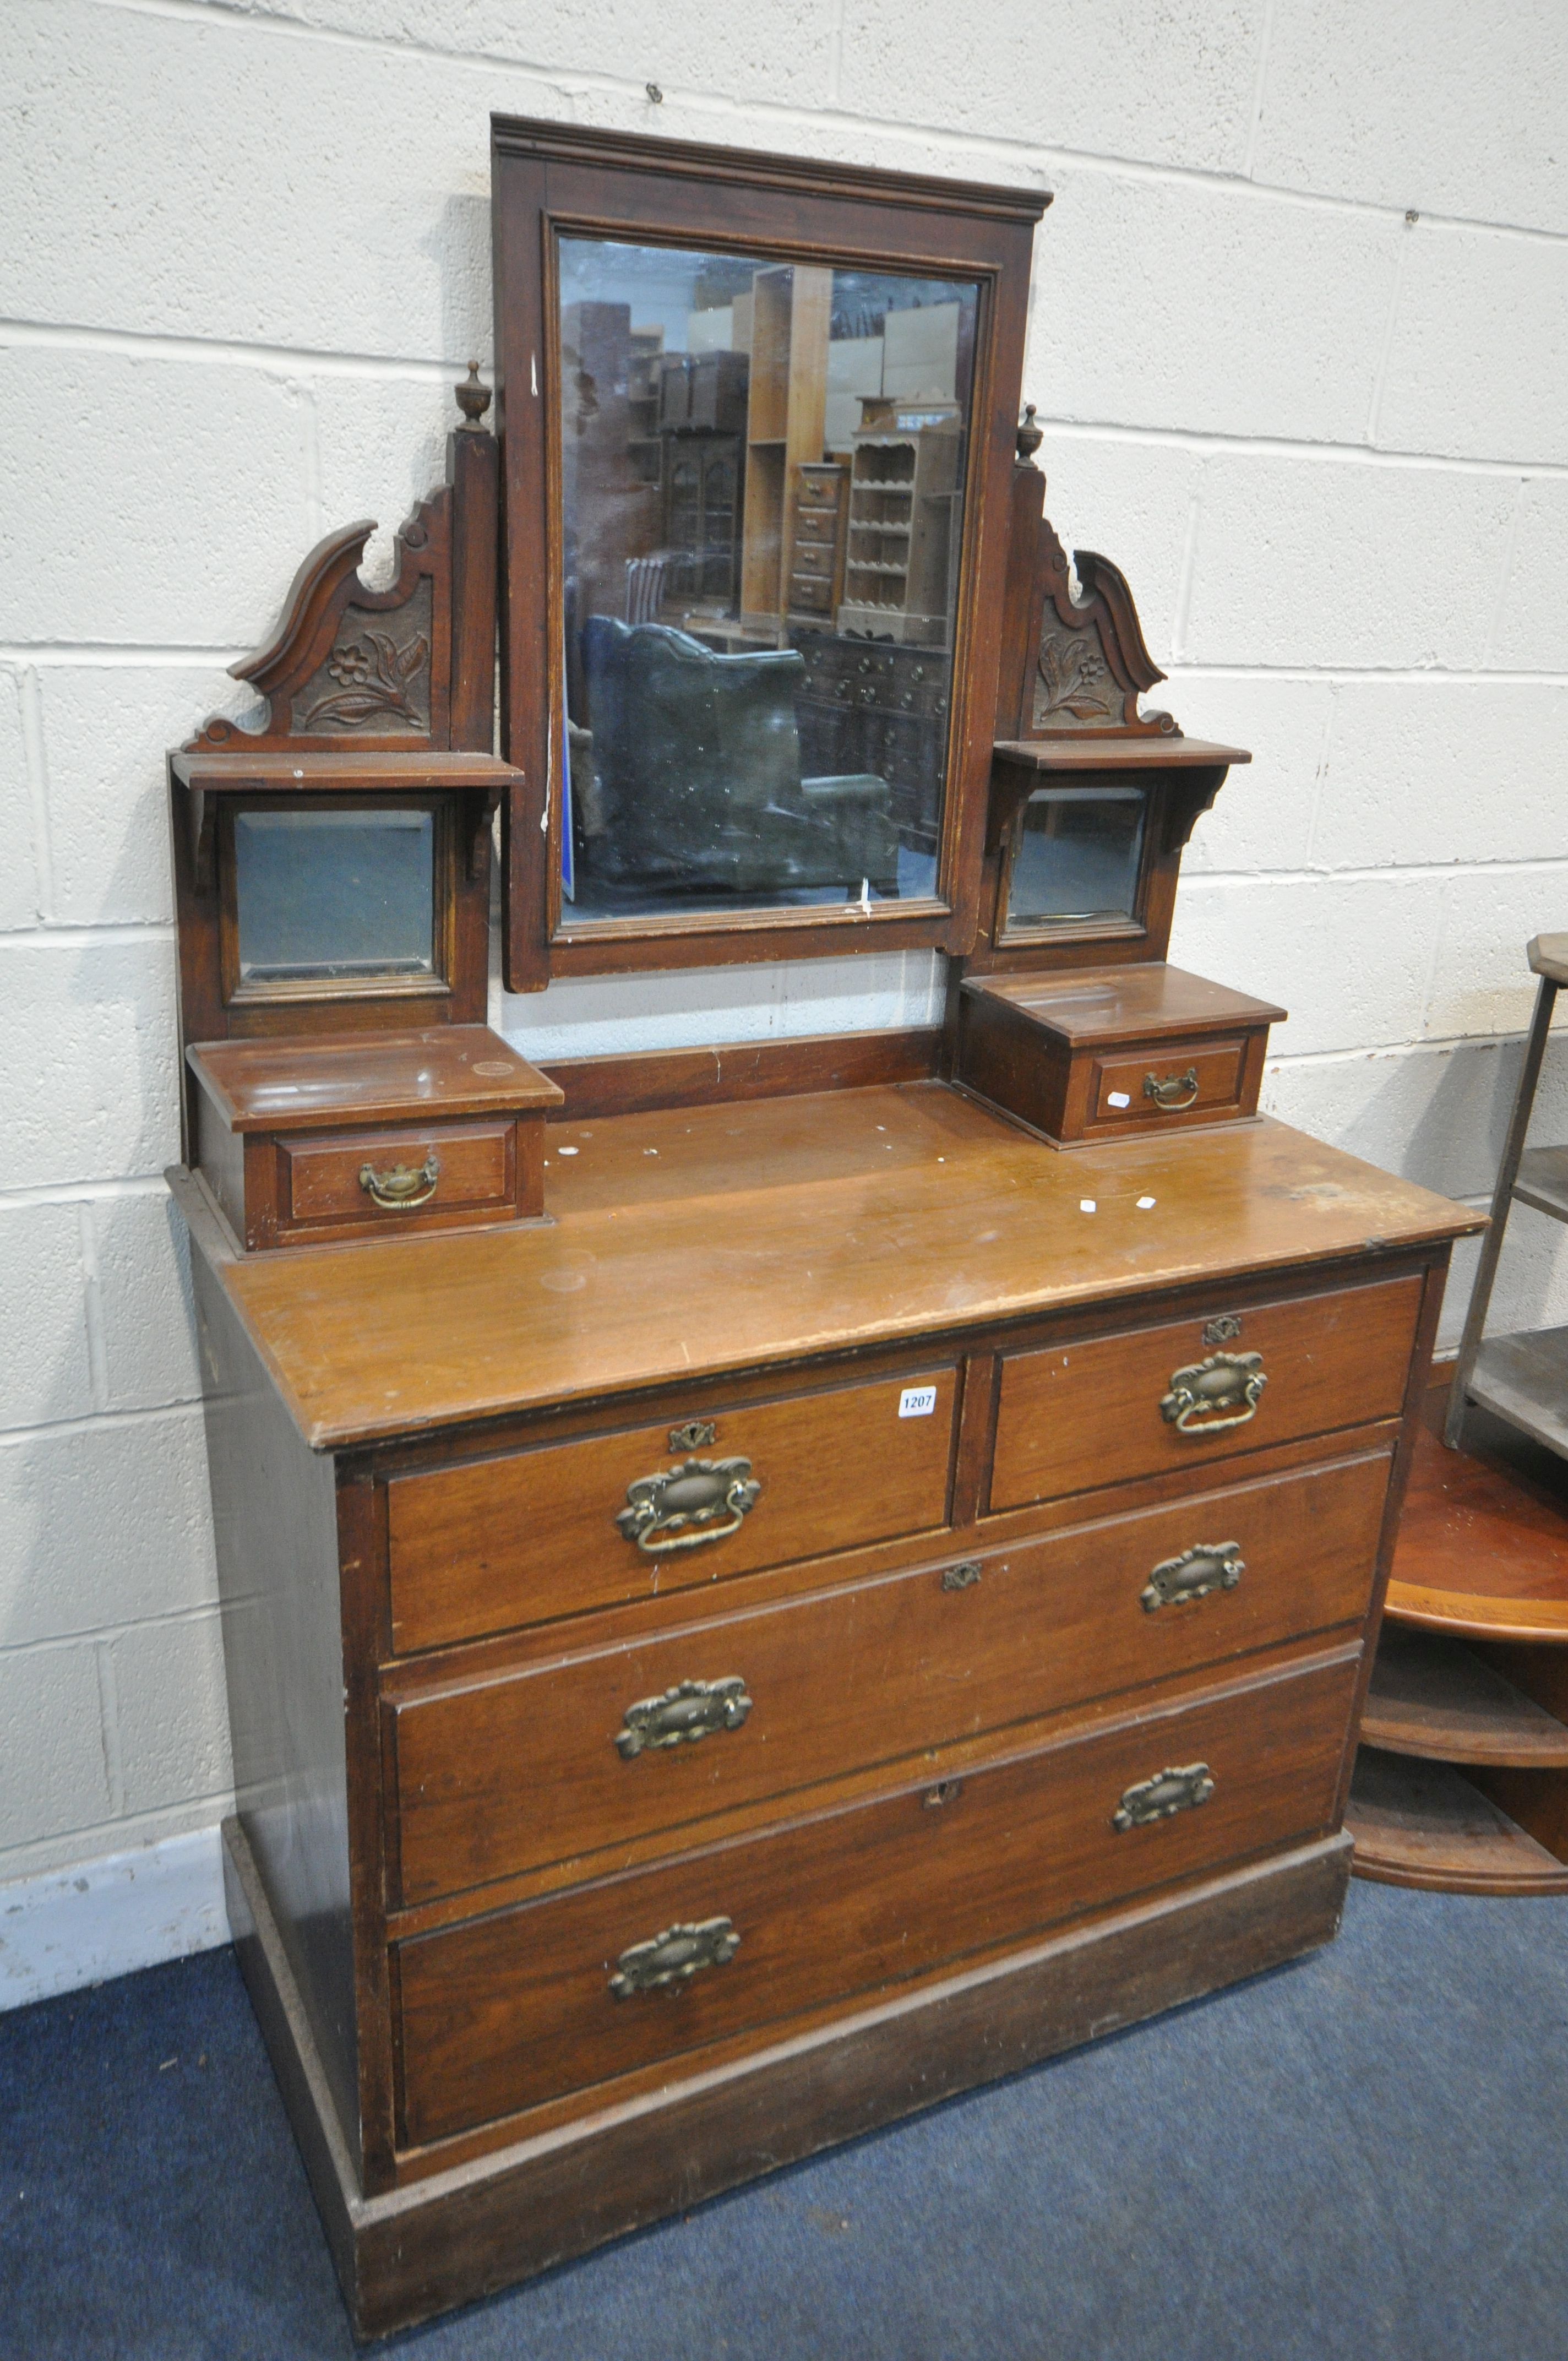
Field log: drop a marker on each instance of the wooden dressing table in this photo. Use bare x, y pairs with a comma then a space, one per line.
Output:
844, 1566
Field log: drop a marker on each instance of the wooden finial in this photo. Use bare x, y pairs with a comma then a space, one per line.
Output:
473, 401
1030, 436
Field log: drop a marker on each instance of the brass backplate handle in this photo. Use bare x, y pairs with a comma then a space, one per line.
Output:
1172, 1091
683, 1715
1181, 1788
1206, 1566
1212, 1395
961, 1577
403, 1186
668, 1961
659, 1509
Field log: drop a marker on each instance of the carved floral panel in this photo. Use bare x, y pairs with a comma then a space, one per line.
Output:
378, 674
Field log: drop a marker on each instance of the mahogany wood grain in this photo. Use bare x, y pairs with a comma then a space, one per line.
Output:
519, 1540
280, 770
690, 1242
515, 2008
1075, 1415
1049, 1050
473, 466
544, 174
745, 1069
1431, 1695
1426, 1824
537, 2201
321, 1171
1535, 1799
277, 1545
619, 1625
1217, 1067
290, 1085
1483, 1548
1100, 1007
282, 1178
496, 1777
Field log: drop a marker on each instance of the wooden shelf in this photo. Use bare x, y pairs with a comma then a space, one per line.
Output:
1419, 1823
1525, 1380
1544, 1182
1483, 1546
1434, 1698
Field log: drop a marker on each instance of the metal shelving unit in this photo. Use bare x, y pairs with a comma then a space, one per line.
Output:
1522, 1379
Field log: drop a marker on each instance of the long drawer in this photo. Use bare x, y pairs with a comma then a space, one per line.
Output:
593, 1523
1077, 1416
548, 1762
529, 2003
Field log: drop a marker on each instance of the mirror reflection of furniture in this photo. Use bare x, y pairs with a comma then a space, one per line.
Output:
818, 541
697, 773
904, 484
791, 305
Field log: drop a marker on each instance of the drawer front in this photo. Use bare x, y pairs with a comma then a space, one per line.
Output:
575, 1525
408, 1173
508, 1776
817, 527
812, 590
509, 2011
820, 491
1201, 1081
1075, 1417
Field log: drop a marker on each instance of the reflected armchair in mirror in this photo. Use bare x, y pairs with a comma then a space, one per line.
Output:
695, 780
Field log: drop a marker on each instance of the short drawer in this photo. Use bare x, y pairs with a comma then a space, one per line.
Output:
1145, 1091
529, 2003
1077, 1416
390, 1178
545, 1764
616, 1517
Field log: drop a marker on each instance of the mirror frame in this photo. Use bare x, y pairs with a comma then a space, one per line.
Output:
551, 178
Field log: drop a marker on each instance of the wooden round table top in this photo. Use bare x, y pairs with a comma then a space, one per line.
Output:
1483, 1545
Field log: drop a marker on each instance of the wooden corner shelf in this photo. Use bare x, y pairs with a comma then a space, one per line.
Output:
1421, 1823
1462, 1781
1435, 1697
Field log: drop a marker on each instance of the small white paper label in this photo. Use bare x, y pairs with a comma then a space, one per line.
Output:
917, 1402
1117, 1098
1144, 1203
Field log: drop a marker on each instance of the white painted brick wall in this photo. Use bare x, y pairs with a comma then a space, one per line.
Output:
246, 249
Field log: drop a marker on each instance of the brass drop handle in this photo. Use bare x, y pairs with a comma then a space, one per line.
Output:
1210, 1397
1181, 1788
668, 1961
404, 1186
659, 1509
683, 1715
1167, 1093
1206, 1566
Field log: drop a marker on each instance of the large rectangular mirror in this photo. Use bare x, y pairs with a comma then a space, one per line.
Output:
755, 545
763, 471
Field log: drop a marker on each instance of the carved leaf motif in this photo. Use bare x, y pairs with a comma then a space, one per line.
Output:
1071, 669
375, 673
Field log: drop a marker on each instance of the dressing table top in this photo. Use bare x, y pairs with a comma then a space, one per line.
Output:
691, 1241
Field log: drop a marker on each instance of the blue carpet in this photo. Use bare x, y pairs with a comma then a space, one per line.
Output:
1361, 2155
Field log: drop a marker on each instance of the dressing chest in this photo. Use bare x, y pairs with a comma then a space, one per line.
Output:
763, 1585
